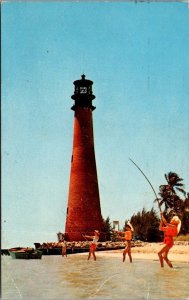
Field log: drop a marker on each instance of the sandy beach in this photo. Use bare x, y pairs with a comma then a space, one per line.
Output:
179, 252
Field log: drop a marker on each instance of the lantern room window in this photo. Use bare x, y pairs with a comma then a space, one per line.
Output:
83, 90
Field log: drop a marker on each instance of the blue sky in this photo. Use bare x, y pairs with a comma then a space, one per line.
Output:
137, 55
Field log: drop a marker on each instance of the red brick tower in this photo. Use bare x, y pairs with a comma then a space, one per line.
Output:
83, 211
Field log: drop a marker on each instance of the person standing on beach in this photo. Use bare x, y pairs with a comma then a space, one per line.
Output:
170, 230
64, 248
93, 245
127, 237
73, 247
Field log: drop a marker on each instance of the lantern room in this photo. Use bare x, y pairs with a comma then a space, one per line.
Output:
83, 94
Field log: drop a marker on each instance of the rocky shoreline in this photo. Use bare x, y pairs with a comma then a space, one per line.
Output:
107, 244
86, 244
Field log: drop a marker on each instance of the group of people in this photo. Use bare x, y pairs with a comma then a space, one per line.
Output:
170, 230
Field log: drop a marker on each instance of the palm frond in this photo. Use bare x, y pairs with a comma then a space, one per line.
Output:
157, 200
179, 184
179, 179
172, 174
161, 202
181, 190
166, 177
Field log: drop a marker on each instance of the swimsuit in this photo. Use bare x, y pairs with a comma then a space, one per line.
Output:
128, 235
63, 244
168, 238
171, 231
94, 244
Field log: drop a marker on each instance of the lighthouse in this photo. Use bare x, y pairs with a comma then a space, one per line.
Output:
83, 209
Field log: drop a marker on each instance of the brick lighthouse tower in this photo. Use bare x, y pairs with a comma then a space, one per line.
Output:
83, 210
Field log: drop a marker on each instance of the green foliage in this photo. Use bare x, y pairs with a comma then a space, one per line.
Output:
185, 223
185, 216
169, 196
107, 229
146, 226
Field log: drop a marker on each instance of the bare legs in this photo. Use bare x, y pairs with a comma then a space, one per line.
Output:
163, 256
127, 250
64, 253
93, 253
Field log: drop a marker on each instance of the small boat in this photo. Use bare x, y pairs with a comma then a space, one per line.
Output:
25, 253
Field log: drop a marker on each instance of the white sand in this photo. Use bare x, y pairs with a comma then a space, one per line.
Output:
178, 253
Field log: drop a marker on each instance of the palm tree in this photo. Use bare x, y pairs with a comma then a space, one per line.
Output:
166, 197
168, 193
174, 183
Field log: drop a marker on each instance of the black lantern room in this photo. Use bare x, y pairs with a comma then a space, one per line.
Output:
83, 94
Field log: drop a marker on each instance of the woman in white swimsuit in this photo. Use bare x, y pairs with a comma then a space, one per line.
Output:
93, 245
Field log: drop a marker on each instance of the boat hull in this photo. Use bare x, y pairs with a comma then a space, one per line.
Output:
26, 255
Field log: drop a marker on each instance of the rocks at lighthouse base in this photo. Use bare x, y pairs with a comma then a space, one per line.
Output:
54, 248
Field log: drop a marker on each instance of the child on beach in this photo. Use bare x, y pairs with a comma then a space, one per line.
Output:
64, 245
93, 245
170, 230
127, 237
